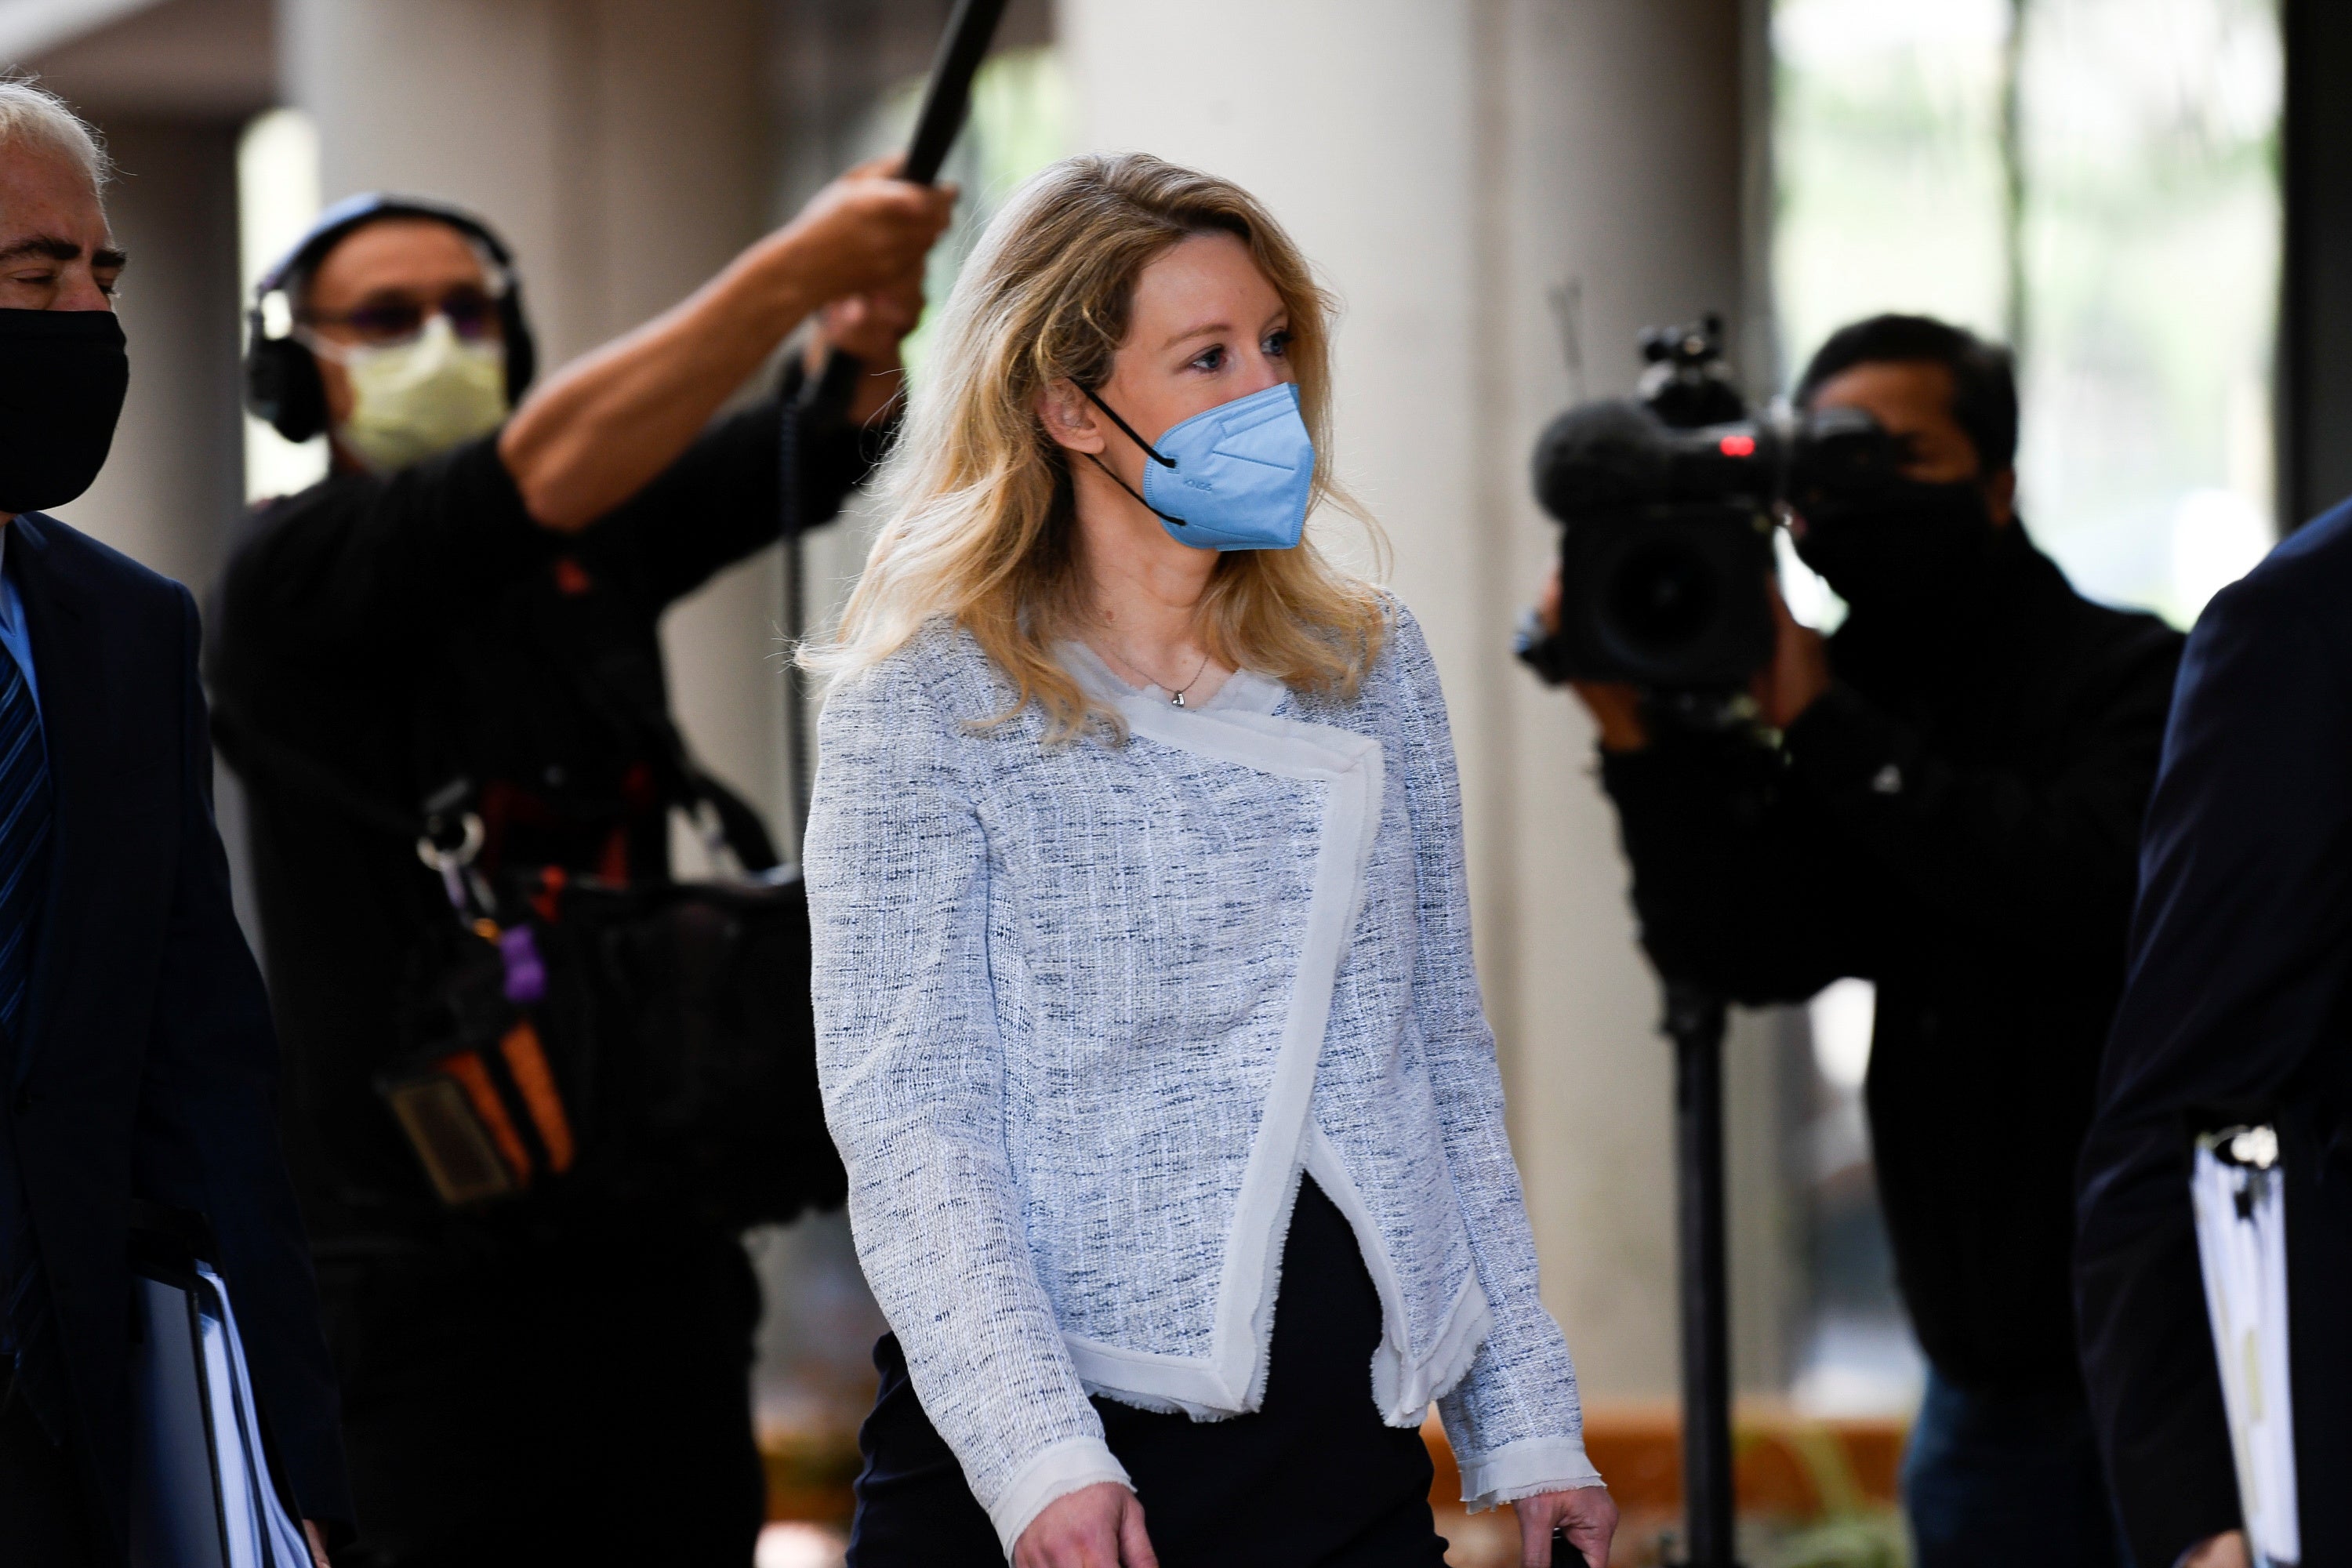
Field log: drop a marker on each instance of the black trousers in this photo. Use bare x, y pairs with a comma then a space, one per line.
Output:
44, 1520
1313, 1480
570, 1404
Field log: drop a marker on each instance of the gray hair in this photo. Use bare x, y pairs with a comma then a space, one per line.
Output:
35, 114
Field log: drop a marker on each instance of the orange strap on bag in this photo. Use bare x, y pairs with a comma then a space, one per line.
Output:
526, 1061
467, 1070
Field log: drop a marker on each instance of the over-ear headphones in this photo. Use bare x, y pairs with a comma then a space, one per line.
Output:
281, 377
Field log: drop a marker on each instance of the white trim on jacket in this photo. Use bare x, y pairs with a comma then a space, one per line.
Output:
1402, 1392
903, 862
1233, 1378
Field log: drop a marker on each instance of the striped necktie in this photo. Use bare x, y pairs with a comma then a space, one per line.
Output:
26, 816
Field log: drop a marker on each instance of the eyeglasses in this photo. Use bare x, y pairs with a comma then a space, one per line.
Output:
472, 314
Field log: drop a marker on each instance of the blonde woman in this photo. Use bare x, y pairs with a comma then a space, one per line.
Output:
1148, 1025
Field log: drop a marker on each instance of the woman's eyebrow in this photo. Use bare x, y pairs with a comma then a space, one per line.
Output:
1190, 332
1215, 327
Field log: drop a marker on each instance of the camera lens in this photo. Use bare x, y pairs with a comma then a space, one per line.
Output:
1663, 598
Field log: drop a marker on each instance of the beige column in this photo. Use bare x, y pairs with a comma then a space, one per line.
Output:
1451, 165
623, 147
173, 487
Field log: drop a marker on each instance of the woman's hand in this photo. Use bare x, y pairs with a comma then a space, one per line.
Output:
1585, 1516
1100, 1526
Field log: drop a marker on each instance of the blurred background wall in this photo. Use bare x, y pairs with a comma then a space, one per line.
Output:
1501, 193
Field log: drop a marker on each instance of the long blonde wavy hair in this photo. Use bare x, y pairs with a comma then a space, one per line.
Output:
981, 524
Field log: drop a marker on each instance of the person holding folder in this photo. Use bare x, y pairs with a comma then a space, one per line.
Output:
2238, 1011
137, 1061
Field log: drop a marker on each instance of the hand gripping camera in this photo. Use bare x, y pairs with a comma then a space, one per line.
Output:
1667, 503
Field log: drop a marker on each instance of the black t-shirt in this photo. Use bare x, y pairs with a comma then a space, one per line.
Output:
407, 630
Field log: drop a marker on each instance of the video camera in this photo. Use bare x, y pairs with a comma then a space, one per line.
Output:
1667, 502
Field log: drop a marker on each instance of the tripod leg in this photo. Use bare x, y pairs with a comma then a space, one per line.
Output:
1695, 1021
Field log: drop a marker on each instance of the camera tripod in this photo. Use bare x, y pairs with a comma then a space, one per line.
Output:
1694, 1020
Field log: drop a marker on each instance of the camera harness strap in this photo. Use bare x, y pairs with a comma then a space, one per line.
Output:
449, 834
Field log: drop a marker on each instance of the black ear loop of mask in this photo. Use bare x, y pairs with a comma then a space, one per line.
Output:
1148, 450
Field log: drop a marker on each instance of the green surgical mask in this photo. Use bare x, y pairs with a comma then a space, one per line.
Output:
414, 399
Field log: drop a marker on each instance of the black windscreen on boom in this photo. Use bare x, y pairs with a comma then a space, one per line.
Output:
948, 93
1599, 456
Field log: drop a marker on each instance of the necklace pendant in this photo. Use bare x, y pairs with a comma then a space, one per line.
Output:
1177, 701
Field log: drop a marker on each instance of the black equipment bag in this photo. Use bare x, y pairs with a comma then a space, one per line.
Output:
561, 1036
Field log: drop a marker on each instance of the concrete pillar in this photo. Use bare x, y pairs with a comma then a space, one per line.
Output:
172, 490
1450, 165
622, 148
172, 487
169, 86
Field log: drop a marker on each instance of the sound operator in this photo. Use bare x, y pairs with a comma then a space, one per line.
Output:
472, 596
1943, 798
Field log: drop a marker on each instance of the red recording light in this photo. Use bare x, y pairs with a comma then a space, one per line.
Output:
1737, 445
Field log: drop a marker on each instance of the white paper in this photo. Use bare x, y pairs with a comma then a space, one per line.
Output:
237, 1523
261, 1533
175, 1506
2241, 1248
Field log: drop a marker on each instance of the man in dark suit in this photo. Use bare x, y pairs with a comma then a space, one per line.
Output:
2238, 1010
137, 1060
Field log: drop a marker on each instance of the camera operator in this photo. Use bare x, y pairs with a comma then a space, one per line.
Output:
1943, 798
474, 594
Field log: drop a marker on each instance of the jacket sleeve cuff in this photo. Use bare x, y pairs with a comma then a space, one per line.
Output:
1055, 1471
1524, 1468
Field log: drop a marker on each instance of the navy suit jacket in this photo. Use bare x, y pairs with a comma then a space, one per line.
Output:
2239, 1007
148, 1066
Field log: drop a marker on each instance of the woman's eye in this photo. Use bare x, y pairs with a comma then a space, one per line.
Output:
1278, 343
1211, 359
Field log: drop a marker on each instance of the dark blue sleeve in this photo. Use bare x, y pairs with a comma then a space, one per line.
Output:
2238, 962
208, 1131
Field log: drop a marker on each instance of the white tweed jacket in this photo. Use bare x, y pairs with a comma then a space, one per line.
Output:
1084, 1015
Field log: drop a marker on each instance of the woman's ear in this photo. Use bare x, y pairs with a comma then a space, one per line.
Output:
1068, 417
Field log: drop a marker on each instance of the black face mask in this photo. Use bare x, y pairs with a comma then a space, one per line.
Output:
62, 376
1904, 546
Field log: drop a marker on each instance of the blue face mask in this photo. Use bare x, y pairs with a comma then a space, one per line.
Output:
1235, 477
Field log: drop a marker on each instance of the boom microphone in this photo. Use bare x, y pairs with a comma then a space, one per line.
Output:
948, 96
946, 100
1598, 455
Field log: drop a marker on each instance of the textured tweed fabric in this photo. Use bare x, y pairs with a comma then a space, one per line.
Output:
1085, 1013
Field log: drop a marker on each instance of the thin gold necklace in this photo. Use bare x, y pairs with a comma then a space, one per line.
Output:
1175, 700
